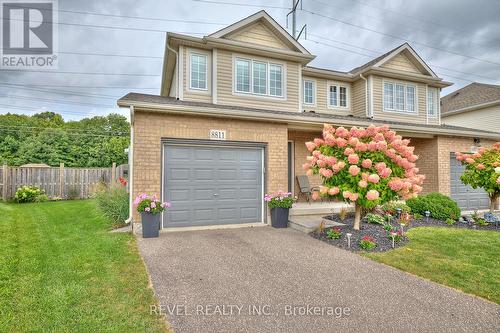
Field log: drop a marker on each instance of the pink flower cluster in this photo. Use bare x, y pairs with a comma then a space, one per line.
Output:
473, 159
357, 142
150, 204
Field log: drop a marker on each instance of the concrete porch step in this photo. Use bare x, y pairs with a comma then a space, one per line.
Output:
309, 223
318, 208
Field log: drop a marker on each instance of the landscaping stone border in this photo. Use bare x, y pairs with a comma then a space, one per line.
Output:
378, 232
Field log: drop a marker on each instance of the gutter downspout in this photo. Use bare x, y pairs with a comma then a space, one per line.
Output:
177, 68
131, 171
368, 111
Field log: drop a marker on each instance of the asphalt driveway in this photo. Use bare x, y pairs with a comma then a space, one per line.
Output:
268, 280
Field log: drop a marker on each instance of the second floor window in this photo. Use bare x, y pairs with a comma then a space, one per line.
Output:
337, 96
309, 92
399, 97
258, 77
198, 75
432, 102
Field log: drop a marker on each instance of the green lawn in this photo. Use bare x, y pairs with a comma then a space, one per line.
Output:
62, 271
468, 260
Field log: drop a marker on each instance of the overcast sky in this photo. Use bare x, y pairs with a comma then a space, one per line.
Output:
459, 39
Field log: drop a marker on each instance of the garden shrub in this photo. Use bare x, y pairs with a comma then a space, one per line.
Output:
440, 206
334, 233
28, 194
375, 218
113, 202
392, 206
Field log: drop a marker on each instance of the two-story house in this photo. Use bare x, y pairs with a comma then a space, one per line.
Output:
237, 106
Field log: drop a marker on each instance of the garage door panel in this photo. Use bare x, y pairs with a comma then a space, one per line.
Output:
179, 174
466, 197
204, 174
194, 174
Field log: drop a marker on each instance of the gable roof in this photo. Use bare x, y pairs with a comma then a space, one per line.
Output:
405, 47
269, 22
470, 97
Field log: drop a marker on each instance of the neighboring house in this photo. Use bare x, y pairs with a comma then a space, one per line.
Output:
237, 107
476, 106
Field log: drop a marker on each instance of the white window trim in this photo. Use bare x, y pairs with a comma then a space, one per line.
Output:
348, 95
208, 76
436, 104
394, 110
313, 92
266, 96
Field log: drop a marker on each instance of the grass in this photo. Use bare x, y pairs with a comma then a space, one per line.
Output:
62, 271
468, 260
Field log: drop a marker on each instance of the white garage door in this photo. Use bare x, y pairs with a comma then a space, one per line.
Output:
212, 184
466, 197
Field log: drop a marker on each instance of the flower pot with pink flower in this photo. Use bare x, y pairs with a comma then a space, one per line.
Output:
279, 202
150, 208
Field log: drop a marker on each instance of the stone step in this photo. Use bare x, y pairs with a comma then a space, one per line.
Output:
310, 223
319, 209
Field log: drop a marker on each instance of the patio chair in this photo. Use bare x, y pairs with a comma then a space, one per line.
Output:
305, 187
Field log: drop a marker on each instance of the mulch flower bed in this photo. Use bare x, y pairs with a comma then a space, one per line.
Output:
377, 231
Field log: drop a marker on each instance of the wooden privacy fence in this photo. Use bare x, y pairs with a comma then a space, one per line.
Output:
59, 181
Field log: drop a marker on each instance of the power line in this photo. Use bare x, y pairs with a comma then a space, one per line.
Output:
107, 27
49, 100
83, 87
78, 73
381, 52
380, 19
128, 16
399, 13
397, 37
68, 133
242, 4
37, 110
63, 92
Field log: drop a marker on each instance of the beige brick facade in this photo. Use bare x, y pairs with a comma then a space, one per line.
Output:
150, 128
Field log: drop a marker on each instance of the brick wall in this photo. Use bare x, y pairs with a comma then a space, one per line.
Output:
427, 149
150, 127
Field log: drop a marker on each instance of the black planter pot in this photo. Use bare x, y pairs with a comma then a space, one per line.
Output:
150, 225
279, 217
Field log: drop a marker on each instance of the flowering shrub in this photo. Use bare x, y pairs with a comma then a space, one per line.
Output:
151, 205
482, 169
334, 233
367, 243
122, 181
366, 167
29, 194
279, 199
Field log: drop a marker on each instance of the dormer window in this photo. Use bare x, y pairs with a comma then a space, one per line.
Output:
258, 77
338, 95
399, 97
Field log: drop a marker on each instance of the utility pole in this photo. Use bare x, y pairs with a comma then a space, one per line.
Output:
295, 4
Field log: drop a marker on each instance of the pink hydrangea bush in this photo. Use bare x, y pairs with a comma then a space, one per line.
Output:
482, 169
366, 167
150, 204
